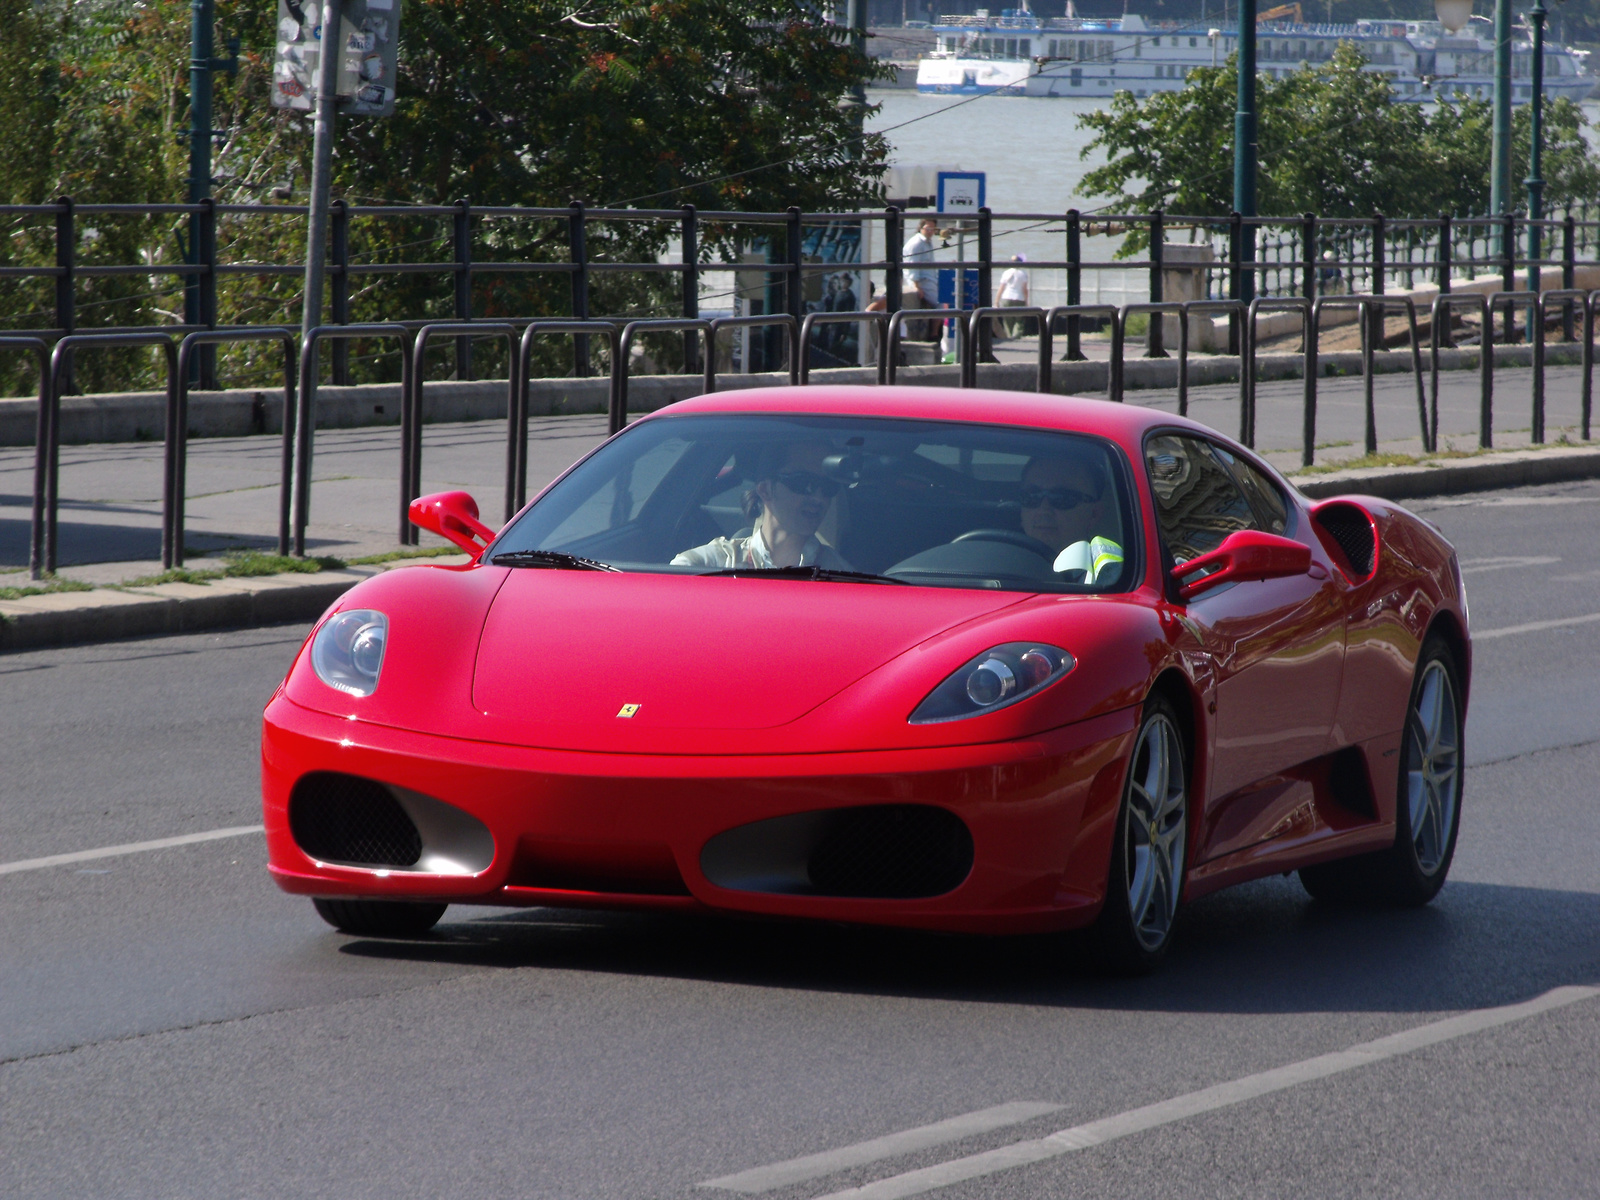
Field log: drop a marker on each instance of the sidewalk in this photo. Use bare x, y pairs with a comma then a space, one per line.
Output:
110, 611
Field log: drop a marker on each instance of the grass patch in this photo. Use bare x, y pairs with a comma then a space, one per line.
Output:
1388, 460
397, 555
44, 587
241, 564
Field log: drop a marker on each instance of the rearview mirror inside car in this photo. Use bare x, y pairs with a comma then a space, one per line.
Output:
1245, 554
452, 515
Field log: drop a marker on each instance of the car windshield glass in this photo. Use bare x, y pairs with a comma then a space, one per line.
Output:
932, 503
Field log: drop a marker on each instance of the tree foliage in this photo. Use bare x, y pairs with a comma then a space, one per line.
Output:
728, 104
1333, 140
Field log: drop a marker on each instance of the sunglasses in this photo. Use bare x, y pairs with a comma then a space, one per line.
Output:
808, 483
1060, 498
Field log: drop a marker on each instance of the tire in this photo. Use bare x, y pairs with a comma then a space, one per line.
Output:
1427, 808
1149, 851
380, 918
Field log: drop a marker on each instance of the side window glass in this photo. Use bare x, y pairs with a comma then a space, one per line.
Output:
1198, 504
1261, 492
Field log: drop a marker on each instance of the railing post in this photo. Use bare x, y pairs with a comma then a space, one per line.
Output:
984, 350
1074, 283
1446, 250
339, 287
795, 293
578, 252
1235, 276
1508, 270
1153, 347
690, 243
206, 229
1378, 280
66, 285
892, 248
1308, 255
1568, 271
461, 240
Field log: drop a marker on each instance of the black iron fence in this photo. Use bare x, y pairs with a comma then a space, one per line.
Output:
67, 269
299, 390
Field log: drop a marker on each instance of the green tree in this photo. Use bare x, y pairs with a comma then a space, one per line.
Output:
1334, 140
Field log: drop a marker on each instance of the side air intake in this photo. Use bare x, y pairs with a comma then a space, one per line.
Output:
1348, 534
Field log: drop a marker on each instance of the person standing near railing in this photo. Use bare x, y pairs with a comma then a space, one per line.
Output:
924, 282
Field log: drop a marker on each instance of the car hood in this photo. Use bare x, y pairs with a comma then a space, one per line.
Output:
655, 663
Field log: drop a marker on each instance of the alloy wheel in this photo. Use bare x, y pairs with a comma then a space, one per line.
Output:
1433, 766
1156, 833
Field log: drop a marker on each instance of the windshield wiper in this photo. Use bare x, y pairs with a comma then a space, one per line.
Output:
826, 574
553, 559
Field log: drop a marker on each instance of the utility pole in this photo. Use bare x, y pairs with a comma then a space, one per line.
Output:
317, 220
856, 17
1244, 146
1535, 182
321, 168
201, 65
1500, 153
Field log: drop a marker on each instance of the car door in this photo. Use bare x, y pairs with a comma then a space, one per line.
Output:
1276, 645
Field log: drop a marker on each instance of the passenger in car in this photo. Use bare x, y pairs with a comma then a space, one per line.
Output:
1066, 505
787, 506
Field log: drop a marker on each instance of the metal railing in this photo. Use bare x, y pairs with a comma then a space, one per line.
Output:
300, 402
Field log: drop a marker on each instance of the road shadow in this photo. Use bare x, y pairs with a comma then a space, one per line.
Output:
1262, 948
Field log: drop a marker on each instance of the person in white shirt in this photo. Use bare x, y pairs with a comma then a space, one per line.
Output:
924, 289
1013, 294
788, 505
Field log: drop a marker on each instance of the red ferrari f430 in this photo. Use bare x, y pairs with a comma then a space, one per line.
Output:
960, 660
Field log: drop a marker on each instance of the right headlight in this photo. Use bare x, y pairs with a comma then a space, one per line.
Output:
347, 653
994, 679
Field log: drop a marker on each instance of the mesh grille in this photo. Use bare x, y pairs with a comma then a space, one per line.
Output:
1350, 528
899, 851
344, 818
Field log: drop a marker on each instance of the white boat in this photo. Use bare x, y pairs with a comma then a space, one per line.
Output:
1077, 56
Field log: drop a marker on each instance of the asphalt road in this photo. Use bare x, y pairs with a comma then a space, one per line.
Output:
110, 511
172, 1026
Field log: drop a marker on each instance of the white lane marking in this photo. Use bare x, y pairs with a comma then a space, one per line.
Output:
187, 839
1222, 1095
1472, 566
1479, 635
813, 1166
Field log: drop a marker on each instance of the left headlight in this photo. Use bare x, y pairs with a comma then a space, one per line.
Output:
994, 679
348, 651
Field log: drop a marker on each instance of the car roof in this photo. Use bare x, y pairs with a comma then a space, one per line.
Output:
1125, 423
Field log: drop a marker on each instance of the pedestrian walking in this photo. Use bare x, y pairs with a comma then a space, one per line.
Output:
1014, 288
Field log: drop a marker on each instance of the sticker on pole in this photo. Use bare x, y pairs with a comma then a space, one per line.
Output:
367, 45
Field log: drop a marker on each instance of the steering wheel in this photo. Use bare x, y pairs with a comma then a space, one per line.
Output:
1010, 537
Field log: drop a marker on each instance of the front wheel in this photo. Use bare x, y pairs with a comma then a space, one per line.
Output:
1150, 848
1428, 807
380, 918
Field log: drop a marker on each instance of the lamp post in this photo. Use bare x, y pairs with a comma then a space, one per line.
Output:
1500, 156
201, 66
1536, 16
1244, 147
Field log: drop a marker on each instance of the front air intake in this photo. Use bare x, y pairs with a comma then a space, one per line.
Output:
1350, 531
347, 819
880, 851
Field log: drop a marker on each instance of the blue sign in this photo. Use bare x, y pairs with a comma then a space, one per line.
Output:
962, 192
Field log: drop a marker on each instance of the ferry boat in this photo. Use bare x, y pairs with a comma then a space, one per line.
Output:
1023, 55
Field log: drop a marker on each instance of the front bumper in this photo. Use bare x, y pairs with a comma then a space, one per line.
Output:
618, 830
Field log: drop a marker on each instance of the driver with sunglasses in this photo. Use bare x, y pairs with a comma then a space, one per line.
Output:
1064, 506
787, 505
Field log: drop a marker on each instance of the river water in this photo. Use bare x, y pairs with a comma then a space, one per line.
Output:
1031, 149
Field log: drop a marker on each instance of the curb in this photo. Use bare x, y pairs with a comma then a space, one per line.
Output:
106, 614
1449, 477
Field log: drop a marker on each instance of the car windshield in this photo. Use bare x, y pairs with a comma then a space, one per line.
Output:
841, 499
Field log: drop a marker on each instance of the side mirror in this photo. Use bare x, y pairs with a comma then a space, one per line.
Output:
452, 515
1246, 554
